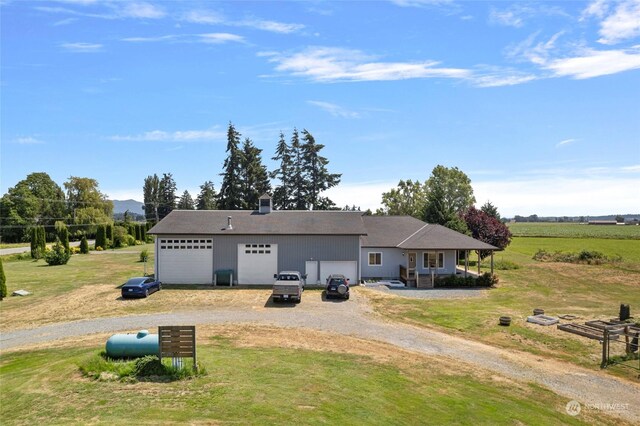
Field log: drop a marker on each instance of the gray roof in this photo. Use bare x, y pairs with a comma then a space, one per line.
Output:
407, 233
247, 222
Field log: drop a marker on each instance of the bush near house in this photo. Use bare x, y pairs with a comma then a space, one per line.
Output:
455, 281
57, 255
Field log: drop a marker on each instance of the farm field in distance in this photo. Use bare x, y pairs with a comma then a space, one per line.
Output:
573, 230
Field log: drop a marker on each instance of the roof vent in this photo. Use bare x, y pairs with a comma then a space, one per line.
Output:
229, 226
265, 205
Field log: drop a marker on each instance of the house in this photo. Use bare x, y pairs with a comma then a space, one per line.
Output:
191, 245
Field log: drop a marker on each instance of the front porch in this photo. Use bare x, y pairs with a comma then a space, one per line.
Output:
412, 277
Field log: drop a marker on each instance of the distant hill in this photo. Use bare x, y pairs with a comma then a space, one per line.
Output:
133, 206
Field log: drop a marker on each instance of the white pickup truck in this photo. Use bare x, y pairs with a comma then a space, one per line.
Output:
289, 286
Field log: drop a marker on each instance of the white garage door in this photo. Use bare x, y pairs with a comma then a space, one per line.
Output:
257, 263
347, 268
185, 261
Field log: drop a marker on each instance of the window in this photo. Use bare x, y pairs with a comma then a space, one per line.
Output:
433, 260
375, 259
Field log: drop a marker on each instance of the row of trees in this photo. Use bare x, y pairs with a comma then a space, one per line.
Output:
446, 198
39, 201
302, 175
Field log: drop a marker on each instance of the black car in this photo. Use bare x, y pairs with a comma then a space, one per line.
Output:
140, 287
337, 286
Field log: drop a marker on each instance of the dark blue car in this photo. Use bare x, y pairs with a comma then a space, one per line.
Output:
140, 287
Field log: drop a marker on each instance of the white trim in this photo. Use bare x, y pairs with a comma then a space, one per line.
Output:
369, 258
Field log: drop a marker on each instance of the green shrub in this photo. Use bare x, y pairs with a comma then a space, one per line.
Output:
3, 282
505, 265
144, 255
38, 242
131, 240
57, 255
101, 237
84, 245
487, 280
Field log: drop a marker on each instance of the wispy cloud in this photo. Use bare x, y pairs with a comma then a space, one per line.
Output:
506, 17
177, 136
28, 140
82, 47
595, 63
565, 142
211, 17
64, 22
420, 3
208, 38
517, 15
619, 20
141, 10
203, 17
328, 64
334, 110
109, 10
271, 26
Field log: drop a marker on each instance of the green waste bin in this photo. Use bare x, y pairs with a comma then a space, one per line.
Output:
224, 277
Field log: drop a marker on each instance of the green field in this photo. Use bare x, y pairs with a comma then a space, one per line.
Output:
574, 230
271, 386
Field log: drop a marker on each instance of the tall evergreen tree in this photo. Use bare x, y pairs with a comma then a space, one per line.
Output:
255, 179
186, 202
151, 192
282, 193
298, 185
230, 197
318, 178
207, 198
491, 210
167, 196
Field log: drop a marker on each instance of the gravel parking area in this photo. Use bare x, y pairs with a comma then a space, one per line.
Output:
354, 318
432, 293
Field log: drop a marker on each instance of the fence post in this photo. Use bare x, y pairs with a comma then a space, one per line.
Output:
605, 348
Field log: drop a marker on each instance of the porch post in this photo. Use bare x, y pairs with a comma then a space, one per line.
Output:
466, 262
491, 262
478, 251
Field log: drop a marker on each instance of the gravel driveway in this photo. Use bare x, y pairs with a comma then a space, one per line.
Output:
354, 318
433, 293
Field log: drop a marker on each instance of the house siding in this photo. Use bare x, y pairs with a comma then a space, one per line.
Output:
293, 250
391, 260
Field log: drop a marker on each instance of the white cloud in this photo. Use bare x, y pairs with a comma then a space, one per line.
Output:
565, 142
203, 17
335, 110
595, 63
219, 38
328, 64
142, 10
150, 39
271, 26
622, 24
28, 140
82, 47
510, 18
179, 136
420, 3
64, 22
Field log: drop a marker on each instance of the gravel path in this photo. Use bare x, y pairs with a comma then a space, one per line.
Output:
355, 319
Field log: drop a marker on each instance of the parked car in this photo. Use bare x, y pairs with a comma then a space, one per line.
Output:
289, 285
140, 287
337, 286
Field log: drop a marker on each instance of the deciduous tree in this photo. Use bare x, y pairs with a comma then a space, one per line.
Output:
487, 228
408, 198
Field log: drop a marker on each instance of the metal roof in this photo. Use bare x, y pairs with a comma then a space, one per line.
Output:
245, 222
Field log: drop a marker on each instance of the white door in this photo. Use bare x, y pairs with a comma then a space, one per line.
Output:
311, 269
347, 268
185, 260
257, 263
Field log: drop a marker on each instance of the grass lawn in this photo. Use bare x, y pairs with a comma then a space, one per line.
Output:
274, 385
573, 230
588, 291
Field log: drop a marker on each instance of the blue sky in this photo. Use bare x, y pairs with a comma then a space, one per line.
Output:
538, 102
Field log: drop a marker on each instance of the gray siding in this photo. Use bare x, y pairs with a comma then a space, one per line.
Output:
293, 250
391, 260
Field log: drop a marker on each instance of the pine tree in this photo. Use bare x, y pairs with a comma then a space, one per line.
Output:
151, 191
186, 202
3, 282
298, 187
63, 235
282, 193
108, 229
230, 196
318, 178
207, 198
255, 179
34, 243
167, 196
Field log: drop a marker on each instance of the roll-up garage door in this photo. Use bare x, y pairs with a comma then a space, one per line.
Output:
257, 263
347, 268
185, 261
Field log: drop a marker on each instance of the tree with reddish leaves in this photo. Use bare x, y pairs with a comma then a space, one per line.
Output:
487, 229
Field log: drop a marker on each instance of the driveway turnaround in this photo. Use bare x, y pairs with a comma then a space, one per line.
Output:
355, 319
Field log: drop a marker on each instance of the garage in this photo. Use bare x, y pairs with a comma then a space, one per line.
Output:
185, 261
347, 268
257, 263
